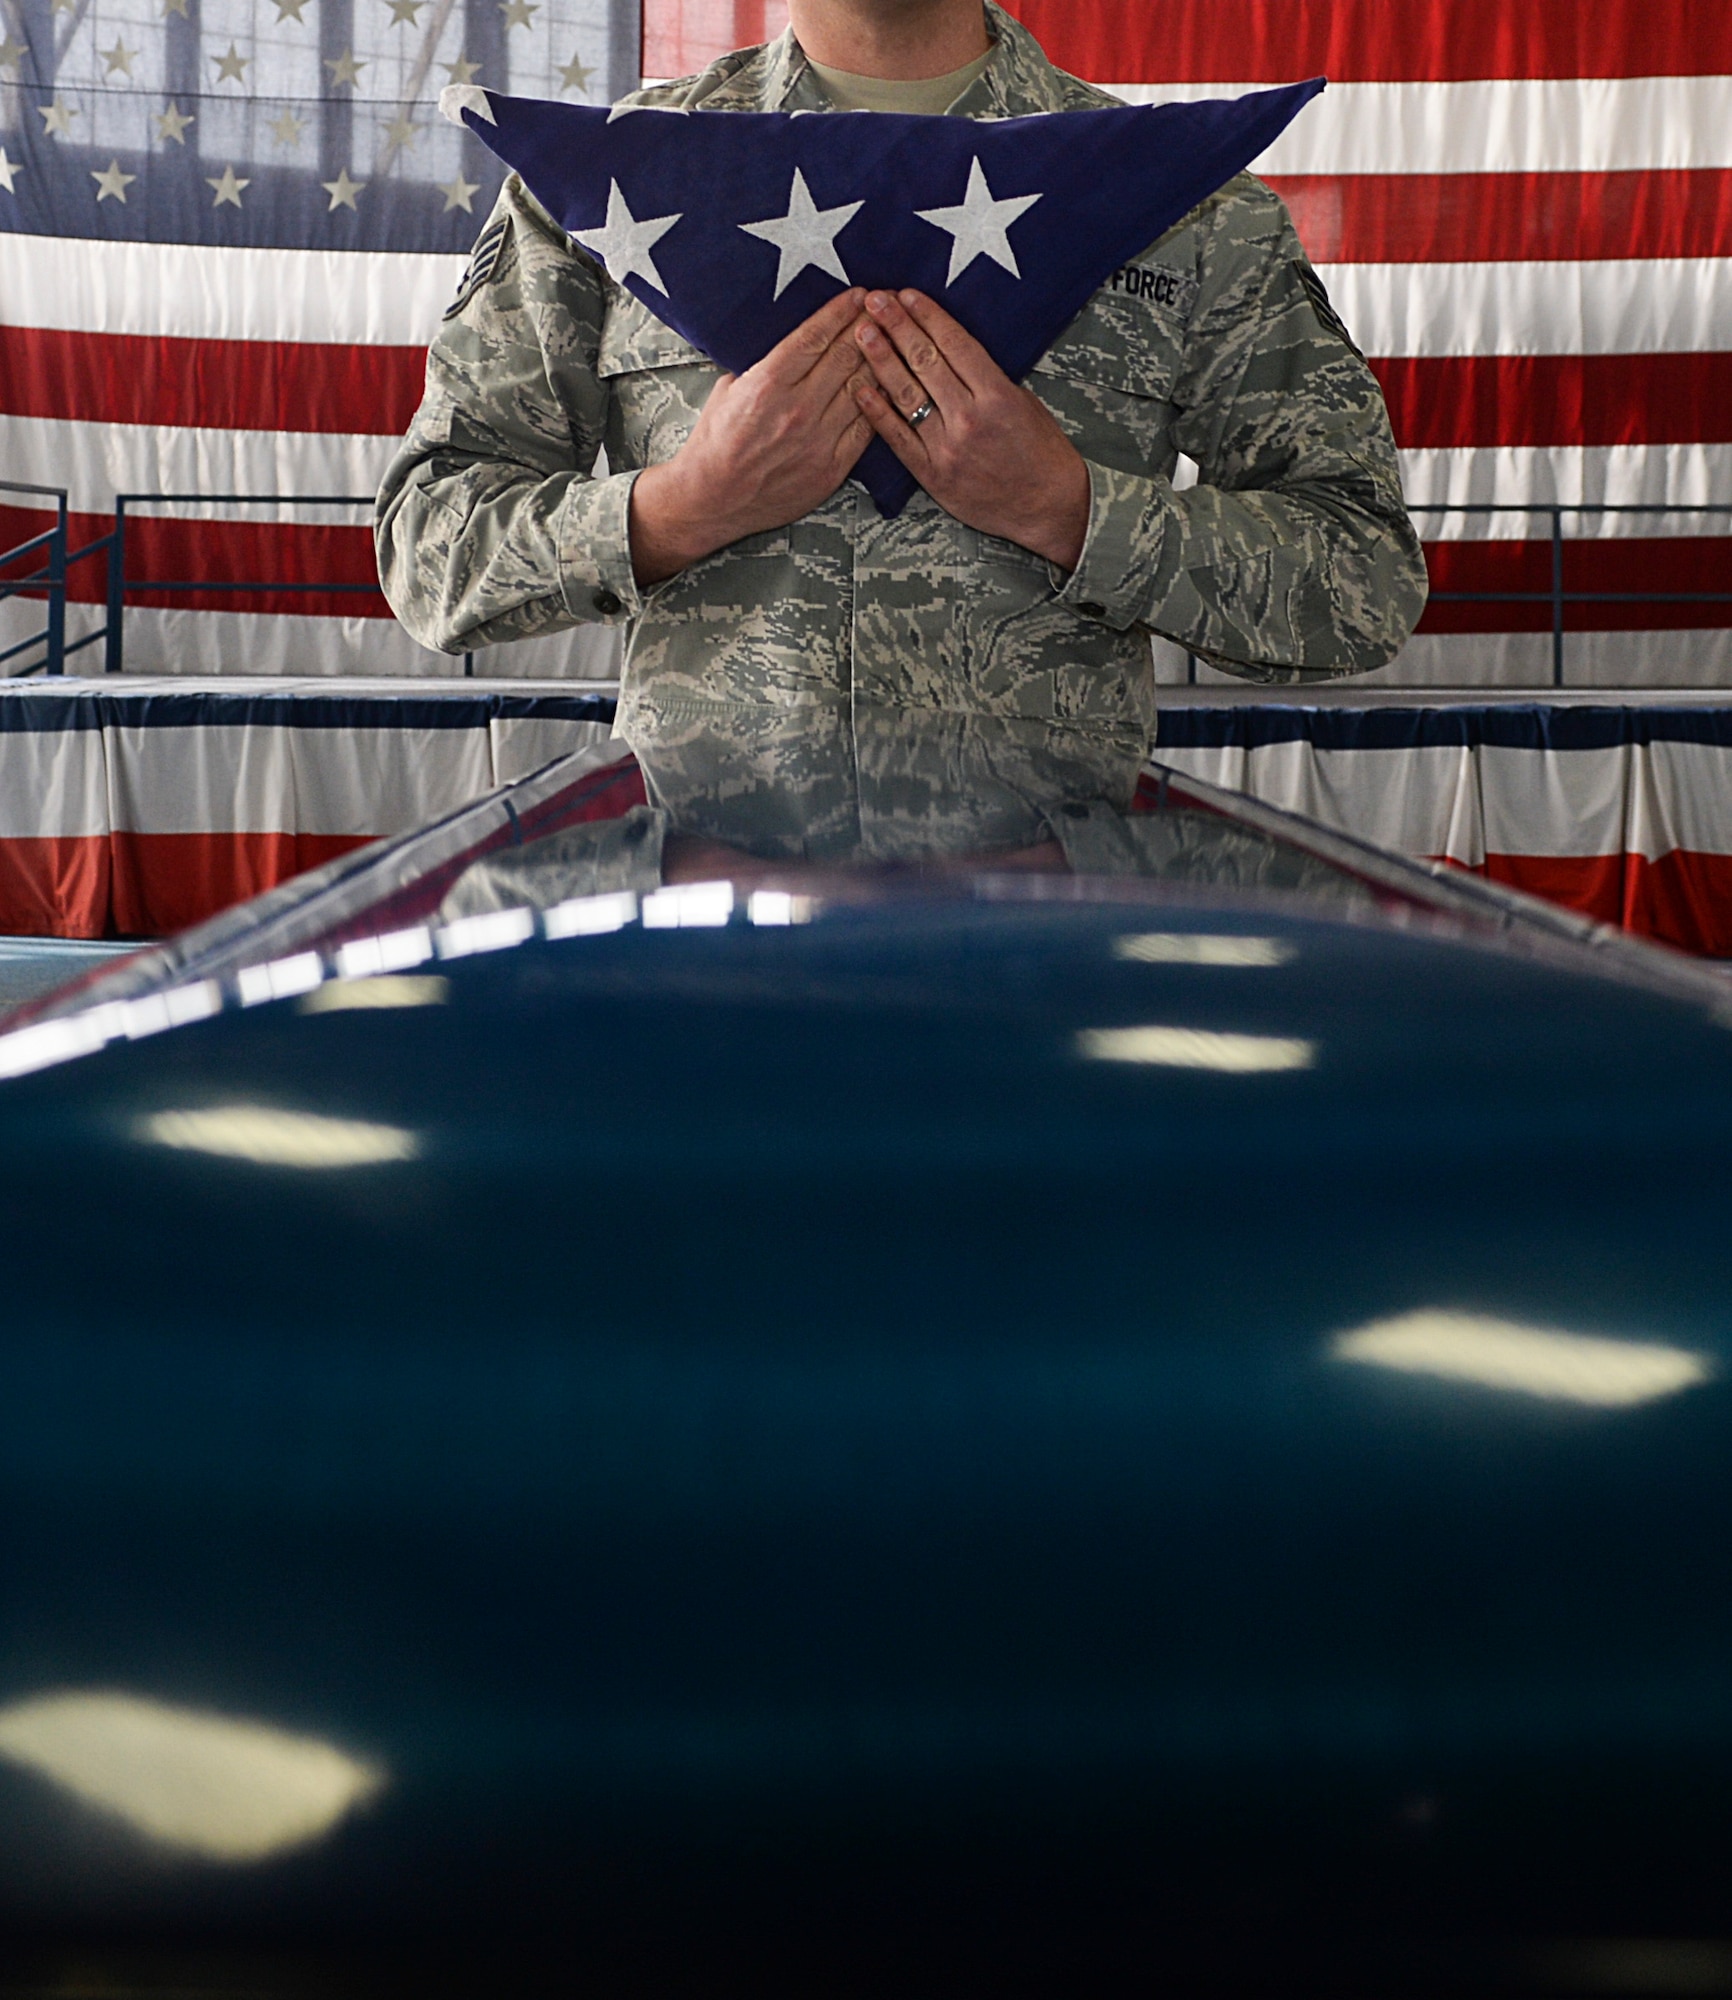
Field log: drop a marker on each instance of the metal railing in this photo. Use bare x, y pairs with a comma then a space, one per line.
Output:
1557, 597
50, 578
119, 583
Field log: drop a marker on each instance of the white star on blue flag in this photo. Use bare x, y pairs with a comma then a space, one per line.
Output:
806, 235
980, 226
623, 243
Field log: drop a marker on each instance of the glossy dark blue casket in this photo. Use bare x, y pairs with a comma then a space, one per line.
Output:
1022, 1432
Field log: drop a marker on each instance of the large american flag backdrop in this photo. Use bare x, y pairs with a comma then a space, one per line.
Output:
231, 226
1523, 209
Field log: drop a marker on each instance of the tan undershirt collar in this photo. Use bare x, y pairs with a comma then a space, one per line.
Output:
926, 96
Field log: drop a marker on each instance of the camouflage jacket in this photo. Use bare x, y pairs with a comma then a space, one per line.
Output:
851, 685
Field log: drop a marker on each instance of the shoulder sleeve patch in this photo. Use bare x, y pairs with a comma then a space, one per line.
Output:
1328, 317
482, 259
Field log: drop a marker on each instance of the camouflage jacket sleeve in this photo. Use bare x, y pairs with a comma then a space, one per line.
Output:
1293, 558
490, 525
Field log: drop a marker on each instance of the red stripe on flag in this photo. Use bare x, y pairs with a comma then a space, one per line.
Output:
55, 887
1542, 399
1379, 41
1683, 898
164, 882
243, 385
147, 884
1590, 884
681, 36
1690, 564
185, 551
1510, 218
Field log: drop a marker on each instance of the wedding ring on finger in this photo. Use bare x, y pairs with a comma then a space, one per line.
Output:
917, 417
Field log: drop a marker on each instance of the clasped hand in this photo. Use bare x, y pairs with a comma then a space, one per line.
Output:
988, 451
777, 441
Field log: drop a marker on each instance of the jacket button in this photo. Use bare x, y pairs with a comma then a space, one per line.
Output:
606, 603
1092, 610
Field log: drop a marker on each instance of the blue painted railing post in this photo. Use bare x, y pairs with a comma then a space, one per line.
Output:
113, 652
56, 633
1557, 597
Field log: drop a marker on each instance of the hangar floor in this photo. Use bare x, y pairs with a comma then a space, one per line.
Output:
33, 965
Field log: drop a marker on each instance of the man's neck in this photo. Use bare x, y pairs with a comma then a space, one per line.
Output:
900, 40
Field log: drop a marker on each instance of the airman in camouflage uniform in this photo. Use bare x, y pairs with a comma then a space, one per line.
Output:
849, 685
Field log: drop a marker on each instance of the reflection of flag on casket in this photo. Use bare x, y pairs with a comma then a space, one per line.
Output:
733, 227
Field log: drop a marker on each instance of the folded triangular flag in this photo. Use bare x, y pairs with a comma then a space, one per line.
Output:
733, 227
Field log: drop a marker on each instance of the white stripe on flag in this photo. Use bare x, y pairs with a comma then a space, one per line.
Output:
1420, 800
1678, 798
1498, 125
1674, 475
263, 777
1567, 803
1628, 660
1648, 305
266, 779
211, 292
53, 784
246, 642
1464, 803
94, 461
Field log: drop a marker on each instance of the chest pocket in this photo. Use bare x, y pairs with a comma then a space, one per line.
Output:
1109, 376
656, 381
